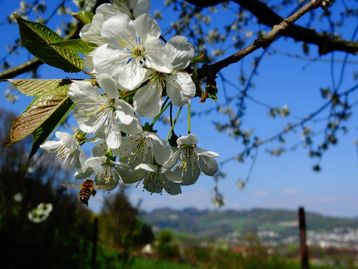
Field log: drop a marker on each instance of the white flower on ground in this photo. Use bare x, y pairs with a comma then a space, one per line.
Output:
142, 148
66, 148
132, 47
102, 113
40, 213
178, 84
189, 160
18, 197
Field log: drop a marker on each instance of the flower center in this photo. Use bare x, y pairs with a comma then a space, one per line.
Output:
158, 77
154, 182
138, 52
140, 151
106, 178
188, 150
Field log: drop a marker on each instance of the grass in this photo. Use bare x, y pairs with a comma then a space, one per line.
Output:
141, 263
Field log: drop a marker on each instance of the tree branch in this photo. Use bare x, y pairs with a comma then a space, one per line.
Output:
209, 71
267, 16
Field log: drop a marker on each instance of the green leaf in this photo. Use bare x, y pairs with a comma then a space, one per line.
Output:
75, 45
55, 119
37, 37
84, 16
42, 109
35, 87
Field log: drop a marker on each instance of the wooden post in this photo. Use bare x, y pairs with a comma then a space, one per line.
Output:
303, 244
94, 243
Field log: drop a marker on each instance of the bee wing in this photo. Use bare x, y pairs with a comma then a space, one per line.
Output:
107, 184
73, 186
104, 187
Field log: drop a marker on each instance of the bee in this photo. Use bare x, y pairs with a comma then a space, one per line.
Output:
87, 189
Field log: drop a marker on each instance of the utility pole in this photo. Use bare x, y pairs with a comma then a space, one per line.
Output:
303, 243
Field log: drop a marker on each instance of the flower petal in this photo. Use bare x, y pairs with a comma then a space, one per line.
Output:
153, 184
181, 52
99, 149
207, 153
191, 172
134, 176
109, 85
91, 124
114, 136
175, 92
190, 139
51, 145
127, 147
186, 83
172, 188
134, 128
157, 56
161, 151
116, 30
92, 32
108, 60
173, 159
124, 112
147, 167
106, 10
180, 87
131, 74
83, 91
139, 7
147, 100
145, 27
63, 136
208, 165
172, 176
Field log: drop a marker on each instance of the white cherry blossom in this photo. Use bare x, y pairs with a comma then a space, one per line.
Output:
156, 178
66, 148
188, 160
91, 32
178, 84
102, 113
132, 46
133, 8
143, 147
108, 174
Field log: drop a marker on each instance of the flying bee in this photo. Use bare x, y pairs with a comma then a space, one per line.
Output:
87, 188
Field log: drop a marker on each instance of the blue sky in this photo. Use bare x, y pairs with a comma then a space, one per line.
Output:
276, 182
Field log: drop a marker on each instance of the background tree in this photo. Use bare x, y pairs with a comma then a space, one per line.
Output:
120, 226
64, 237
67, 230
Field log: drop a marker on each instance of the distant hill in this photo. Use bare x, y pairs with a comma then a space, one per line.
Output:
224, 223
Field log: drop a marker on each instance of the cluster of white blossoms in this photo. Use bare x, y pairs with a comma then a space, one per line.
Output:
134, 69
40, 213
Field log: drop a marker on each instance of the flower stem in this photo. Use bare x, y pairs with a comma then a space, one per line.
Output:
174, 122
165, 106
189, 117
